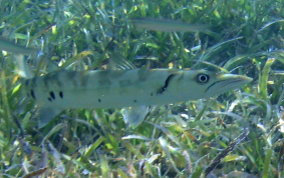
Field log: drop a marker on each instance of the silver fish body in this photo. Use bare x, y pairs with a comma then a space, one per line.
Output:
127, 88
14, 48
165, 25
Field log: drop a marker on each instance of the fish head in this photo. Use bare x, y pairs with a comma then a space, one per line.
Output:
210, 83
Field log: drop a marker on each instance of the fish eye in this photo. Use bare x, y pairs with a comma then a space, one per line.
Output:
202, 78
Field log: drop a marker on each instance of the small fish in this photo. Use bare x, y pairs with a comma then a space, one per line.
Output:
22, 69
14, 48
19, 55
165, 25
135, 88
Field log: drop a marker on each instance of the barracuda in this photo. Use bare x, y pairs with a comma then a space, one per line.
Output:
165, 25
61, 90
133, 88
14, 48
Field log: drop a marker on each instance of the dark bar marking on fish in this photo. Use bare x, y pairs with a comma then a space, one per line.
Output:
46, 81
104, 82
72, 75
84, 80
143, 75
54, 78
135, 101
124, 83
34, 82
58, 82
99, 100
27, 82
52, 95
61, 94
167, 82
33, 94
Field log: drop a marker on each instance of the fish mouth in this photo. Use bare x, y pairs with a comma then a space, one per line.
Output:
227, 82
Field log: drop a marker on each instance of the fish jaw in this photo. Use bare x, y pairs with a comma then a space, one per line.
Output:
225, 83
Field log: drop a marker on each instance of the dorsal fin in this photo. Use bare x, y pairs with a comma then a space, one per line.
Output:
118, 62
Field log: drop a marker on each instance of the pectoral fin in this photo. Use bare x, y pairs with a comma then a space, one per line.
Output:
133, 116
46, 114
